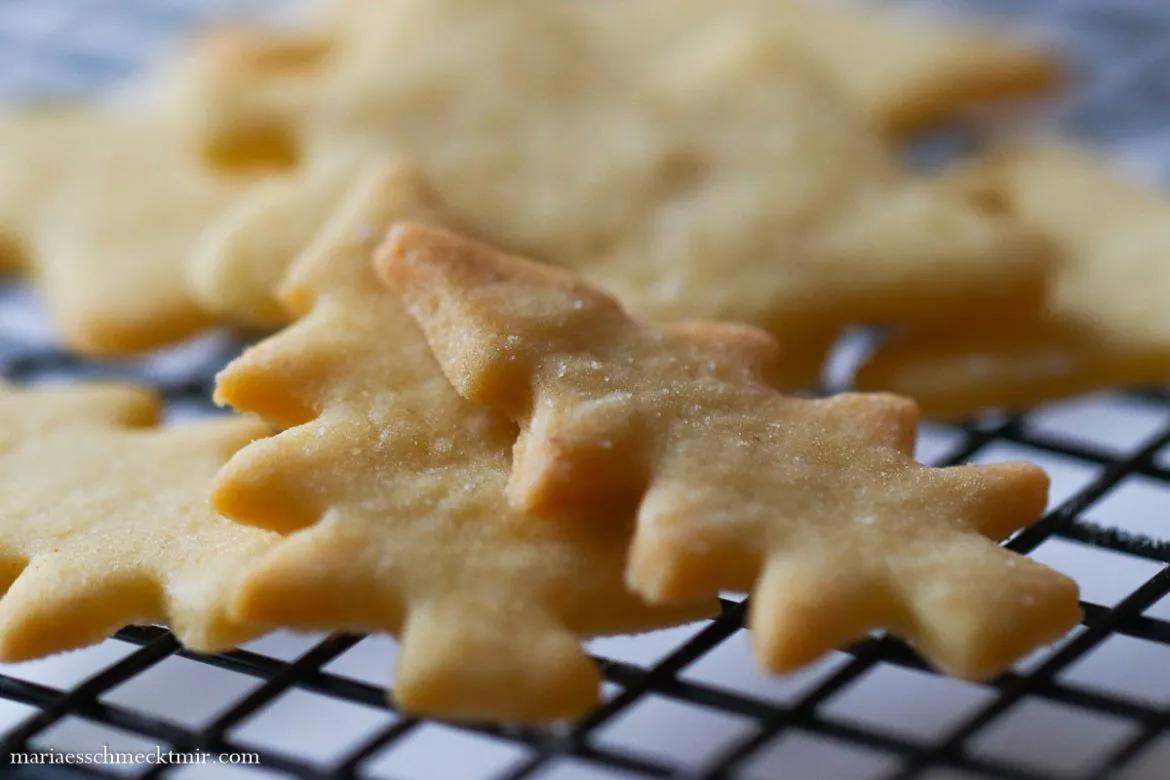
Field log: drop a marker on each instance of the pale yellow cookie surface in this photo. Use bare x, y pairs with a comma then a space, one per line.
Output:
239, 260
909, 74
104, 521
101, 210
817, 506
241, 92
1107, 322
36, 147
252, 90
715, 175
392, 487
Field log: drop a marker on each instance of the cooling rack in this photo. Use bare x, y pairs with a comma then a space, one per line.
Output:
686, 701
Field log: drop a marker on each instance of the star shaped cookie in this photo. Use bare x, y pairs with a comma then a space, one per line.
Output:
391, 488
715, 174
104, 521
1105, 323
817, 506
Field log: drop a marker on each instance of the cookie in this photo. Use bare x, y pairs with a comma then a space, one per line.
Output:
102, 210
104, 521
701, 177
239, 260
253, 90
1105, 323
391, 488
816, 506
907, 74
35, 147
242, 90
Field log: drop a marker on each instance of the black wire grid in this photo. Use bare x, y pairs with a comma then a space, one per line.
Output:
1122, 102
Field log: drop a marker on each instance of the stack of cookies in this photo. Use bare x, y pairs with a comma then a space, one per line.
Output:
544, 283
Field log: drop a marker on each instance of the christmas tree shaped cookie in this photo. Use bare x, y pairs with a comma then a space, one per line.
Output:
391, 488
817, 506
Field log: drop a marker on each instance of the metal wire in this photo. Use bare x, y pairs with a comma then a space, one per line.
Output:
1122, 49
